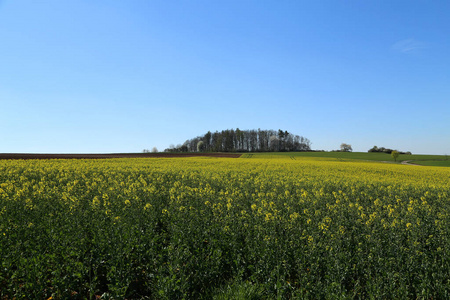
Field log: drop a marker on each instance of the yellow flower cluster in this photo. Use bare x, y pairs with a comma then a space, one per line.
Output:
302, 191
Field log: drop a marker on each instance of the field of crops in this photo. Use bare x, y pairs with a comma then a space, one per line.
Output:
420, 159
222, 228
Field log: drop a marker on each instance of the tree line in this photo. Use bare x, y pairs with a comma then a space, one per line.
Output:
236, 140
386, 150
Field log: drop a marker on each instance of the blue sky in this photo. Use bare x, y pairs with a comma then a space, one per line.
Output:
121, 76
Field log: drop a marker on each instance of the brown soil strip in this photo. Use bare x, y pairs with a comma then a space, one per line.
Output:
408, 162
111, 155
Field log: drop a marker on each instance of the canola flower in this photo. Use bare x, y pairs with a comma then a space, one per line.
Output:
171, 227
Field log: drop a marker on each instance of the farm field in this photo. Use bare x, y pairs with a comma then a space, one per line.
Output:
262, 226
421, 159
439, 163
415, 158
113, 155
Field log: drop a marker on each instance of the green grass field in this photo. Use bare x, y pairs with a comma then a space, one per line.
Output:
426, 160
436, 163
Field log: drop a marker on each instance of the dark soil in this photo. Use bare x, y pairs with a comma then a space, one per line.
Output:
111, 155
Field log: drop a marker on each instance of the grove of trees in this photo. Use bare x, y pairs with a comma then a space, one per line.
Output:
236, 140
386, 150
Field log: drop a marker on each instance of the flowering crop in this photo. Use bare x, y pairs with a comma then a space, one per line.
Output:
200, 227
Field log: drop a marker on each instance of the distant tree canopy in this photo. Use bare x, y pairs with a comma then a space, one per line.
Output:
386, 150
236, 140
346, 147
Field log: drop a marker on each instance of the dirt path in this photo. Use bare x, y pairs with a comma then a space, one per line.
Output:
408, 162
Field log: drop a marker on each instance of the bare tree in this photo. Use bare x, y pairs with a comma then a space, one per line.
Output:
274, 143
200, 146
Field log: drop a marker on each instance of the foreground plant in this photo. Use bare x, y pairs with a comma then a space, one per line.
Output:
208, 227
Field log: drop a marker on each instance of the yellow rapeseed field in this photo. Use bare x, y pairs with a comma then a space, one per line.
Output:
172, 228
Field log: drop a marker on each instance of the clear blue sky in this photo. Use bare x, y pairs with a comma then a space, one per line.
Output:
121, 76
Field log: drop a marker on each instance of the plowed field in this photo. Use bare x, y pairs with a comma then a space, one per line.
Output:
110, 155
